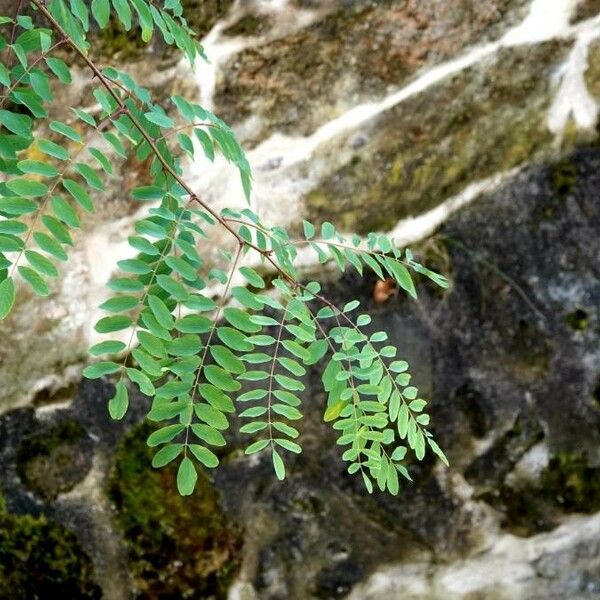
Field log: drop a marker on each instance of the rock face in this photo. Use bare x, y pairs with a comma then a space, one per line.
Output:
416, 153
126, 534
514, 338
510, 358
358, 52
388, 115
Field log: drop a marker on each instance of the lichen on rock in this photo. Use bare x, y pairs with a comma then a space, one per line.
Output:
357, 51
486, 119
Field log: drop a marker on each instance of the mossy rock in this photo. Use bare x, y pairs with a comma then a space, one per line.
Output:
592, 73
563, 176
577, 320
177, 547
567, 485
571, 483
54, 460
40, 560
356, 52
487, 119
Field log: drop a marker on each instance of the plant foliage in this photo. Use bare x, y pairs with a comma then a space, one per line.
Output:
200, 361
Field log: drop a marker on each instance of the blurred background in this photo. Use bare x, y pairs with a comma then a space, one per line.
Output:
467, 130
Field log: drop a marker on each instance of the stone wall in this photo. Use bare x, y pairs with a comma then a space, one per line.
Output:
467, 129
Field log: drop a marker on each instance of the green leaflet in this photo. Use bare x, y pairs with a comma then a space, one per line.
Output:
17, 206
66, 130
145, 18
204, 455
7, 296
101, 12
256, 447
34, 280
4, 75
100, 369
221, 378
37, 168
166, 455
108, 347
41, 264
148, 193
278, 465
102, 159
52, 149
211, 416
186, 477
27, 187
59, 68
118, 404
241, 320
111, 324
161, 312
59, 232
10, 243
12, 227
227, 359
164, 435
208, 434
16, 123
79, 194
253, 278
288, 445
123, 12
194, 357
90, 176
159, 118
193, 324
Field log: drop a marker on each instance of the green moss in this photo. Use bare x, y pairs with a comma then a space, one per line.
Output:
358, 50
567, 485
40, 560
54, 461
571, 483
201, 15
577, 320
596, 391
563, 176
530, 351
178, 547
526, 512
